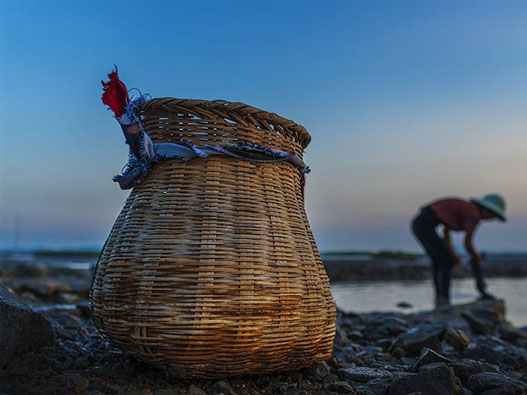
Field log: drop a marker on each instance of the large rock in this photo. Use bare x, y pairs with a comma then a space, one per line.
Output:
500, 353
317, 371
457, 339
30, 270
465, 368
484, 318
428, 357
414, 340
21, 329
221, 387
340, 387
374, 387
194, 390
497, 384
341, 338
437, 379
510, 333
387, 325
362, 374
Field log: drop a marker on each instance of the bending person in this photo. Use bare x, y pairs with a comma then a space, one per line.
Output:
455, 215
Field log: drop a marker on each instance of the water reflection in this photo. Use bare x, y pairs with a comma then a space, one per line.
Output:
384, 295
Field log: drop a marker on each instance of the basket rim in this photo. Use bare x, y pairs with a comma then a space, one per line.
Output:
240, 109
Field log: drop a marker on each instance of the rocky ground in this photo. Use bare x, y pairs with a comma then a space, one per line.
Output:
54, 348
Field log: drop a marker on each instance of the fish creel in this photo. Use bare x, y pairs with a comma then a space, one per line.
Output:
211, 269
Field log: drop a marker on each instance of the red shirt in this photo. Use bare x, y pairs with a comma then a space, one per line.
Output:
456, 214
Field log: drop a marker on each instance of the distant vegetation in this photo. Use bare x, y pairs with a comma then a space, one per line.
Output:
51, 253
348, 253
387, 254
400, 255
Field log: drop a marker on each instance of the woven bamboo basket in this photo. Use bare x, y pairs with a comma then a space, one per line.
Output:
211, 269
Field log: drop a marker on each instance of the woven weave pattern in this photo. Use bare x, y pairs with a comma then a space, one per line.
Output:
211, 269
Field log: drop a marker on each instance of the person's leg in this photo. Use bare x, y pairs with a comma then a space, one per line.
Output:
447, 263
435, 274
423, 227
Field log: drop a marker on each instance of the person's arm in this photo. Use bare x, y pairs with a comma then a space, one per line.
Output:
476, 270
469, 245
475, 260
448, 242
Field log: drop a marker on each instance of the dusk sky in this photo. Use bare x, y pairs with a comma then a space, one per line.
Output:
405, 101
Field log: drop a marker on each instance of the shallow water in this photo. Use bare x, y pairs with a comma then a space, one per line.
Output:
384, 295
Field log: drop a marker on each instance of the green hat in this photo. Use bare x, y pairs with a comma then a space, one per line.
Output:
492, 202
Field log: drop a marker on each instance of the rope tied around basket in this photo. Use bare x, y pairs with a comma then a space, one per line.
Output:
137, 168
144, 154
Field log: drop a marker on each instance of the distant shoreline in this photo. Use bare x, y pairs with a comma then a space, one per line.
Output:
342, 268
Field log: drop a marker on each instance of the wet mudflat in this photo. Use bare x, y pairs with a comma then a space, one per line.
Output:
410, 296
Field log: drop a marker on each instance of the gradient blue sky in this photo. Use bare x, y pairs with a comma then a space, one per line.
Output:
406, 102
